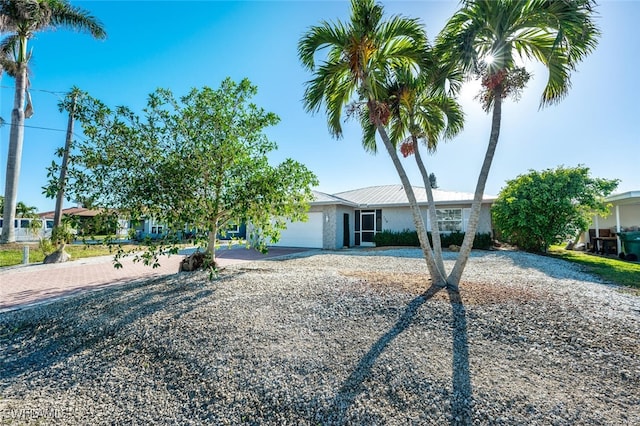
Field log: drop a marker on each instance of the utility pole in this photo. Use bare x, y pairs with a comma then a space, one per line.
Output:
57, 218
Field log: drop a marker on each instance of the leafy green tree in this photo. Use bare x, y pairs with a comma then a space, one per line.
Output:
362, 57
196, 163
538, 209
486, 37
21, 20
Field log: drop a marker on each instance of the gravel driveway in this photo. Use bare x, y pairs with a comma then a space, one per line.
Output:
351, 337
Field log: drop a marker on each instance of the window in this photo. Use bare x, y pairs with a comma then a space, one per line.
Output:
49, 224
449, 220
24, 223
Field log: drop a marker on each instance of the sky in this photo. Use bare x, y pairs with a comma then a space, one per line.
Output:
180, 45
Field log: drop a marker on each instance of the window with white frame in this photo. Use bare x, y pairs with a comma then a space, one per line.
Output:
449, 220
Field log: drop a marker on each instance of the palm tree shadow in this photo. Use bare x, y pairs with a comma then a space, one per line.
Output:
353, 385
461, 398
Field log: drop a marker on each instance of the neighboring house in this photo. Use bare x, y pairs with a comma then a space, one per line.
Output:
25, 232
147, 228
624, 216
352, 218
87, 225
153, 229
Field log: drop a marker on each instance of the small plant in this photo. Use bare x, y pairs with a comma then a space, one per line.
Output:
61, 234
46, 246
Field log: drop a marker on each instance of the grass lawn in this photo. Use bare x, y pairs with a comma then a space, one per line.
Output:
610, 269
11, 254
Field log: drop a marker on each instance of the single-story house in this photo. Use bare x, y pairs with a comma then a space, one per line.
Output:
151, 228
87, 223
25, 232
624, 215
352, 218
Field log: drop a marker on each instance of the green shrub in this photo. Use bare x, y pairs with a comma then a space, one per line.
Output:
395, 238
410, 239
483, 241
454, 238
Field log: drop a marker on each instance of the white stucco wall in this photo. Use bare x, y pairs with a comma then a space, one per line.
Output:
393, 219
400, 218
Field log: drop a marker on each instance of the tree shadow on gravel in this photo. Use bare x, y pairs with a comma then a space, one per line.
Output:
462, 395
40, 337
461, 398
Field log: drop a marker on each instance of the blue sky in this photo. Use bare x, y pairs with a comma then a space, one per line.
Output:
180, 45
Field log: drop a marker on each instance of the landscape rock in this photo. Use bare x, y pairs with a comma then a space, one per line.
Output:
58, 256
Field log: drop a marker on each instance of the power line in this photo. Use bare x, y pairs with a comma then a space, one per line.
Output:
47, 128
42, 128
53, 92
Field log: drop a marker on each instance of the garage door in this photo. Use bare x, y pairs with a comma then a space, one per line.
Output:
303, 234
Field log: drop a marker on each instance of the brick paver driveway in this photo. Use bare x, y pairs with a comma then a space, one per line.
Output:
32, 284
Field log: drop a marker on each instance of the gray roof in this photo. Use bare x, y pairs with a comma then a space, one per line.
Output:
626, 198
320, 198
394, 195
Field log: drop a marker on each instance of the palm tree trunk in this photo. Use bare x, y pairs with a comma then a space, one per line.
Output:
62, 182
433, 218
14, 158
472, 227
438, 277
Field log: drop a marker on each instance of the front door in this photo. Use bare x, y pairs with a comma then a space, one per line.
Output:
367, 227
368, 223
346, 239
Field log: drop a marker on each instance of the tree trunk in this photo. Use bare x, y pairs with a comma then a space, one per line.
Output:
57, 216
438, 277
472, 227
14, 158
211, 246
433, 218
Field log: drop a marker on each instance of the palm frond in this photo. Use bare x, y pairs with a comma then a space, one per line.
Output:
66, 15
368, 131
359, 57
559, 34
319, 37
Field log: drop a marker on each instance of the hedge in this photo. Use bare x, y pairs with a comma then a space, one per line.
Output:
410, 239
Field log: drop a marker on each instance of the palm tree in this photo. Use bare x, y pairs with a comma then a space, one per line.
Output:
22, 210
421, 111
21, 19
361, 57
486, 37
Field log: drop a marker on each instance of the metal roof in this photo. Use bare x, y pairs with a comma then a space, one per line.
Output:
394, 195
629, 197
321, 198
